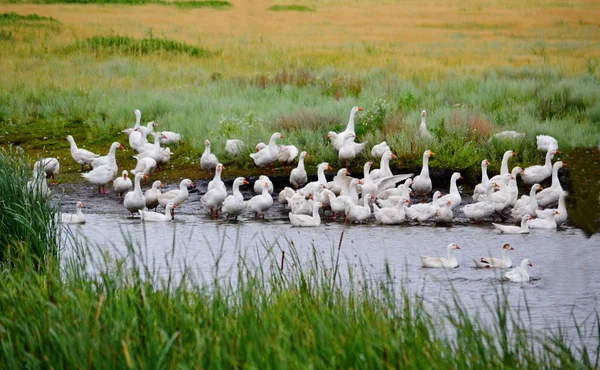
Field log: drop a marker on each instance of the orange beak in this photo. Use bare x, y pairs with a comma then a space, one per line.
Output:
530, 264
360, 182
359, 108
145, 176
329, 167
245, 182
514, 154
121, 146
457, 247
511, 249
174, 205
394, 156
564, 164
281, 136
461, 177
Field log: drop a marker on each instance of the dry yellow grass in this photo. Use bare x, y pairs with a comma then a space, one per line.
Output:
399, 36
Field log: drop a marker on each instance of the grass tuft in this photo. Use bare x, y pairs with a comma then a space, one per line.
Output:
12, 17
198, 4
291, 8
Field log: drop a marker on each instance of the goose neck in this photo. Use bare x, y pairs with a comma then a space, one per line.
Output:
425, 168
453, 187
301, 163
350, 126
321, 179
138, 188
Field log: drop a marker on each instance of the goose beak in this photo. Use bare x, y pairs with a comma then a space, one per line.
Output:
514, 154
245, 182
329, 167
564, 164
557, 151
394, 156
145, 176
121, 147
174, 206
461, 178
281, 136
431, 153
359, 109
457, 247
511, 249
556, 213
347, 172
360, 182
449, 203
530, 264
306, 155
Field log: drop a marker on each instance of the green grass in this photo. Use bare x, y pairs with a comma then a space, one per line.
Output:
198, 4
291, 7
28, 227
12, 17
215, 4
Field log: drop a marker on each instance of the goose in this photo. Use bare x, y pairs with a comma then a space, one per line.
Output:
155, 146
401, 190
176, 196
424, 211
267, 156
323, 196
287, 154
169, 214
81, 156
208, 161
357, 213
338, 140
422, 183
537, 174
440, 262
134, 200
216, 182
480, 189
138, 120
444, 214
391, 215
512, 190
546, 221
260, 203
300, 204
50, 166
527, 204
561, 217
392, 201
234, 146
545, 143
453, 196
260, 183
321, 179
511, 134
151, 195
351, 197
350, 149
519, 274
160, 155
233, 205
379, 149
504, 165
213, 199
298, 176
77, 218
373, 187
423, 132
169, 137
145, 165
479, 210
109, 158
38, 184
368, 185
305, 220
138, 137
287, 192
103, 174
500, 198
510, 229
384, 166
122, 184
491, 262
340, 184
549, 196
337, 204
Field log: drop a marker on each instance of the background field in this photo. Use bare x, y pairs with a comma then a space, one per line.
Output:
245, 71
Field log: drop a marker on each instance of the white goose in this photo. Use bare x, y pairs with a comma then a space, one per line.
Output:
81, 156
213, 199
176, 196
50, 166
422, 183
546, 221
169, 137
138, 120
122, 184
384, 166
453, 196
350, 149
260, 183
144, 165
338, 140
287, 192
298, 176
480, 189
233, 205
559, 218
216, 182
519, 274
357, 213
102, 175
527, 204
512, 190
491, 262
545, 142
260, 203
479, 210
444, 214
549, 196
169, 214
379, 149
440, 262
351, 197
424, 211
134, 200
321, 180
208, 161
267, 156
107, 159
391, 215
340, 184
401, 190
504, 165
139, 136
151, 195
423, 132
287, 154
510, 229
77, 218
234, 146
537, 174
305, 220
154, 151
38, 183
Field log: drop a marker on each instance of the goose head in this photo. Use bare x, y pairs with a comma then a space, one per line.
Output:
508, 247
423, 113
80, 205
125, 173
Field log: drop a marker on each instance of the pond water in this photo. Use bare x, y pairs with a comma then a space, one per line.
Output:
565, 272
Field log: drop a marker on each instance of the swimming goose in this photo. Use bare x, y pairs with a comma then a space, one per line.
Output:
559, 218
122, 184
77, 218
169, 214
134, 200
379, 149
81, 156
453, 196
208, 161
546, 221
537, 174
151, 195
510, 229
176, 196
440, 262
519, 274
233, 205
422, 183
391, 215
491, 262
298, 176
305, 220
527, 204
549, 196
260, 203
